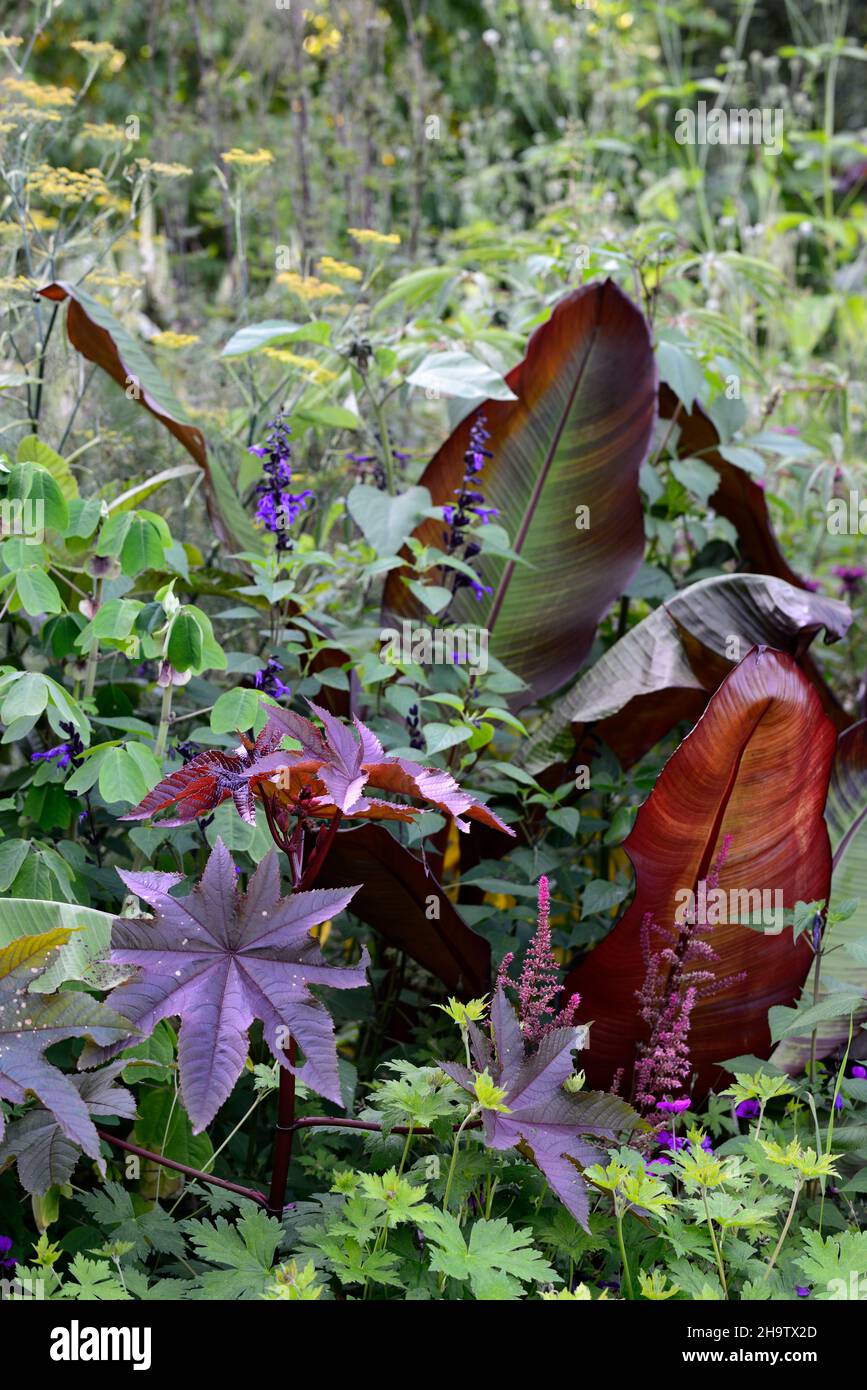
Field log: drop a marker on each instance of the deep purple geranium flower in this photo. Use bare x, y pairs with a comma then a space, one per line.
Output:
747, 1108
674, 1107
5, 1247
859, 1071
801, 1291
670, 1141
850, 577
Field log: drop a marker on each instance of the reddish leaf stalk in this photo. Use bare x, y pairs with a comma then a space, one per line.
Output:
286, 1101
252, 1193
283, 1135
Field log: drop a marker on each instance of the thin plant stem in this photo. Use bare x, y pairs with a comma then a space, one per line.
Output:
250, 1192
470, 1115
165, 721
785, 1231
716, 1250
627, 1273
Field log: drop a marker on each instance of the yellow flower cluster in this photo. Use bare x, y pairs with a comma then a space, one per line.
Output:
10, 41
42, 221
327, 38
120, 280
63, 185
306, 286
100, 53
388, 159
166, 171
326, 42
9, 229
40, 96
111, 134
16, 284
173, 341
366, 237
122, 206
329, 266
247, 159
321, 375
27, 115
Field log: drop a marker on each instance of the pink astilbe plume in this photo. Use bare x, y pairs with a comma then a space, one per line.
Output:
539, 983
673, 983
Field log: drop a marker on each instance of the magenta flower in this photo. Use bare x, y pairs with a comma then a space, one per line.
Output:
674, 981
539, 984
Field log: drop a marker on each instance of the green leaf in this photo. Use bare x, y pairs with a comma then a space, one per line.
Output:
142, 547
442, 736
31, 449
271, 332
184, 649
12, 856
498, 1259
784, 1022
834, 1266
27, 696
681, 371
152, 1232
697, 477
336, 417
84, 517
37, 592
92, 1281
79, 959
28, 482
235, 710
386, 521
415, 288
246, 1250
461, 375
121, 779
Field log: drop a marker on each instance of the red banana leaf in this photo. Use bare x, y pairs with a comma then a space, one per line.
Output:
395, 898
738, 498
577, 434
666, 666
755, 767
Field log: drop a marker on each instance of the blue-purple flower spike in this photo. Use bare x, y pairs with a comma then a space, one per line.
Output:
469, 510
278, 507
